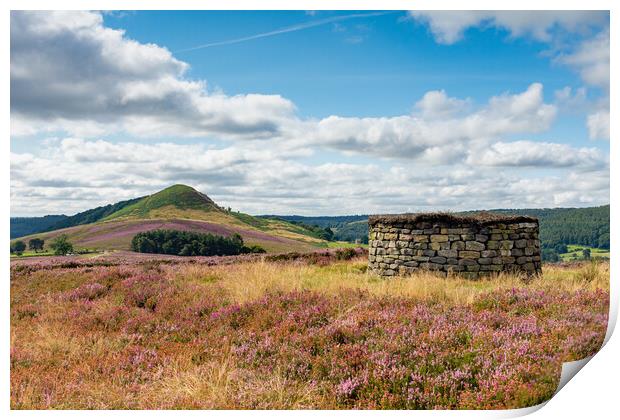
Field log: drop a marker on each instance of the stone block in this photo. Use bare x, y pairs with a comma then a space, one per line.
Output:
521, 243
516, 252
469, 254
458, 245
474, 246
439, 245
448, 253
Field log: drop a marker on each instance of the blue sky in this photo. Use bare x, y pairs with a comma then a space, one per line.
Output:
384, 112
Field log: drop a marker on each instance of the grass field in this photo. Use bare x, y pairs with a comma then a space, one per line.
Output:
575, 253
26, 254
295, 335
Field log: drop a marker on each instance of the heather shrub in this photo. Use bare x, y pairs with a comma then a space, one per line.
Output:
112, 275
89, 291
345, 253
143, 290
107, 317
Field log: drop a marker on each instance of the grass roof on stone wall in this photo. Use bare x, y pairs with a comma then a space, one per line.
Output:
480, 218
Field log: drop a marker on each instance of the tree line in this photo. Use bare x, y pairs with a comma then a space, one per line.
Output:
60, 245
186, 243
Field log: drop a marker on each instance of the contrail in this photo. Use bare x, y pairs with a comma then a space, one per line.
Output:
293, 28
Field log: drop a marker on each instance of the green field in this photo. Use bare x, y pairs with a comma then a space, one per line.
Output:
26, 254
342, 244
50, 253
575, 253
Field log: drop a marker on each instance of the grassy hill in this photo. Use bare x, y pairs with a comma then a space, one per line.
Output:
178, 207
180, 197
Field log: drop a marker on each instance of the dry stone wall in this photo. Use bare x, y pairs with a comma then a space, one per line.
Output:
471, 246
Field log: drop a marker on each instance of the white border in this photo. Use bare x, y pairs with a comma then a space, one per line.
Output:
593, 393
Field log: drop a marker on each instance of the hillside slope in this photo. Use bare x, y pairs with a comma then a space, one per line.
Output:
180, 207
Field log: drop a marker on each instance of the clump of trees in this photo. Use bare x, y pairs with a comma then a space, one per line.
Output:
18, 247
61, 245
36, 244
178, 242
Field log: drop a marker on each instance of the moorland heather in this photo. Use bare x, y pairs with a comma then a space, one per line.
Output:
295, 333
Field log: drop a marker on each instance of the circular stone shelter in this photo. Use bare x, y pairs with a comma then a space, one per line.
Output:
470, 245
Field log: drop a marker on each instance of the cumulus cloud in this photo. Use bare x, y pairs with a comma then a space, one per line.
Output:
598, 125
591, 60
448, 26
68, 70
437, 104
438, 133
82, 174
538, 154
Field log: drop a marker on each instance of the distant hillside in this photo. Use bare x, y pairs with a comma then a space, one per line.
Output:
579, 226
22, 226
178, 207
93, 215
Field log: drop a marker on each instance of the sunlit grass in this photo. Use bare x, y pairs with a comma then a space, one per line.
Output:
248, 281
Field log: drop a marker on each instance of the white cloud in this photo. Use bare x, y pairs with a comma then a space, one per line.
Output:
448, 26
437, 104
538, 154
430, 137
598, 125
591, 60
68, 71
